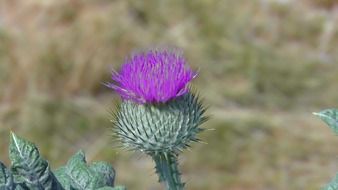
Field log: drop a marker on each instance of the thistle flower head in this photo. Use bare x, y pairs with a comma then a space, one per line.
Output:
156, 76
154, 128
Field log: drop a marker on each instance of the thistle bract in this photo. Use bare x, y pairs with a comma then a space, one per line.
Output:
154, 128
153, 77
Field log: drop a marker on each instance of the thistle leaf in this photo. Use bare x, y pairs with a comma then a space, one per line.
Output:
29, 169
332, 185
120, 188
77, 174
112, 188
106, 188
330, 117
6, 179
63, 178
106, 171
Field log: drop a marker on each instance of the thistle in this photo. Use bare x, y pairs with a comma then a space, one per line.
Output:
330, 117
30, 171
159, 115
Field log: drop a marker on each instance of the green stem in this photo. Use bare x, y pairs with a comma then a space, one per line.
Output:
167, 170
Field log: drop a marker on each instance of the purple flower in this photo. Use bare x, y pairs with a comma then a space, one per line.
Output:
155, 76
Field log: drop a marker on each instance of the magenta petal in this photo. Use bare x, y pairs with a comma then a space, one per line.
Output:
155, 76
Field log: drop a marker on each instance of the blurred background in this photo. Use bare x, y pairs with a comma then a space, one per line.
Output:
265, 66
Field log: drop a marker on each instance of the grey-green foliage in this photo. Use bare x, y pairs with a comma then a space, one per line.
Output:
333, 184
162, 127
6, 179
28, 167
30, 171
79, 175
330, 117
167, 170
112, 188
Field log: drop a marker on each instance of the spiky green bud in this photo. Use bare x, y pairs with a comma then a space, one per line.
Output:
161, 127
